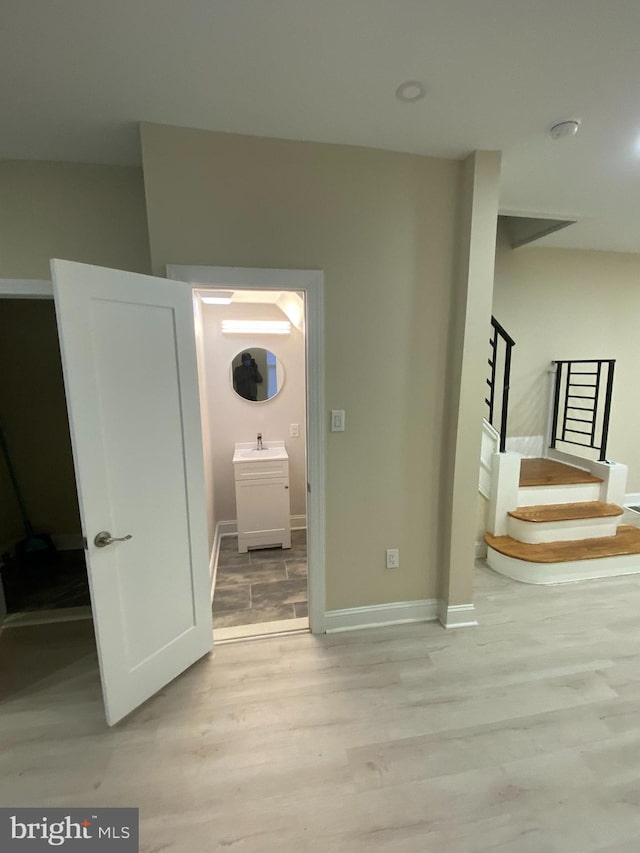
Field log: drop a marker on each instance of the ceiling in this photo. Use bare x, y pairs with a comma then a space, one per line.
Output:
77, 76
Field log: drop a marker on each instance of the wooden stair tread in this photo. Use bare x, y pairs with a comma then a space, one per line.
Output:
548, 472
566, 512
626, 541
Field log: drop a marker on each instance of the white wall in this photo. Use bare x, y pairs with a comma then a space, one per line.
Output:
571, 304
232, 419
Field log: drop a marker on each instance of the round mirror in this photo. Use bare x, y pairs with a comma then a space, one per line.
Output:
256, 375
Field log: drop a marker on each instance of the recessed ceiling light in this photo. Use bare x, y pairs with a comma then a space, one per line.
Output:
410, 91
564, 129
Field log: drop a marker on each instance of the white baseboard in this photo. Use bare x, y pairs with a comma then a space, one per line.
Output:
457, 615
531, 446
569, 458
377, 615
225, 528
632, 499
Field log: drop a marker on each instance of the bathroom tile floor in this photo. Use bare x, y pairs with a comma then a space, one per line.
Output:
266, 585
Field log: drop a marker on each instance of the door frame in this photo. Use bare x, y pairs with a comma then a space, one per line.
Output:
22, 288
25, 288
311, 283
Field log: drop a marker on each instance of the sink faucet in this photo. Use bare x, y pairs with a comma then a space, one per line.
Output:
259, 444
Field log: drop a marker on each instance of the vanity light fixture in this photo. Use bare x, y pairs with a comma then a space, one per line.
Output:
218, 297
256, 327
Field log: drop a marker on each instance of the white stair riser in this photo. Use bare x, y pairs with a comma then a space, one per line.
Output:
574, 493
561, 531
572, 570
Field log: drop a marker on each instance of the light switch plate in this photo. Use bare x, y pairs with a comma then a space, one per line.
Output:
393, 558
294, 430
337, 420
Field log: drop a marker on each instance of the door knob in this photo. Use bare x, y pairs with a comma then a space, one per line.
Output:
104, 538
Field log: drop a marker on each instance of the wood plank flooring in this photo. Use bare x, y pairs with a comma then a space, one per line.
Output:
548, 472
626, 541
566, 512
519, 736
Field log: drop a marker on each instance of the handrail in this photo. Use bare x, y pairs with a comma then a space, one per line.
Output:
502, 331
499, 333
583, 414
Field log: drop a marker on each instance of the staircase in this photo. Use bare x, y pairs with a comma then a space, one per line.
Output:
556, 519
555, 522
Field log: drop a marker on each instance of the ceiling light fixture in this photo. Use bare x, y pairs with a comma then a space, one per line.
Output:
218, 297
256, 327
410, 91
564, 129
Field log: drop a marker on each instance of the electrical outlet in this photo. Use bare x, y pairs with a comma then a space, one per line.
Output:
294, 430
393, 558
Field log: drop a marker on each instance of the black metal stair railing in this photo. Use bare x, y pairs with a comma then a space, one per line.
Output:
499, 361
582, 403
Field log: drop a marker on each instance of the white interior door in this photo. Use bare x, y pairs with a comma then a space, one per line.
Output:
129, 362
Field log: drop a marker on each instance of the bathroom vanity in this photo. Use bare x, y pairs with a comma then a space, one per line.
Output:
262, 496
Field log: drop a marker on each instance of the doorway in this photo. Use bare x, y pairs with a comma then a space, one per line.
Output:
117, 331
309, 285
42, 566
252, 366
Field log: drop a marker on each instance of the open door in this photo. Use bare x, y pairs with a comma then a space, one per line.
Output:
129, 363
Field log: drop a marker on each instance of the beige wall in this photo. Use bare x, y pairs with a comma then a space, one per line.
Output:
381, 226
232, 419
563, 304
470, 322
94, 214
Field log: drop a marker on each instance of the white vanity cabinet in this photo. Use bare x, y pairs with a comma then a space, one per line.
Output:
262, 496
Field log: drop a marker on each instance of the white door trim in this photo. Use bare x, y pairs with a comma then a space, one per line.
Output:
22, 288
311, 283
25, 288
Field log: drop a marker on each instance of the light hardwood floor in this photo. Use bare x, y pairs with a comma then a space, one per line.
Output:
519, 736
546, 472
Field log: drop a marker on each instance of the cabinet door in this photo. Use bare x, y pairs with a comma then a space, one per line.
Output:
263, 506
